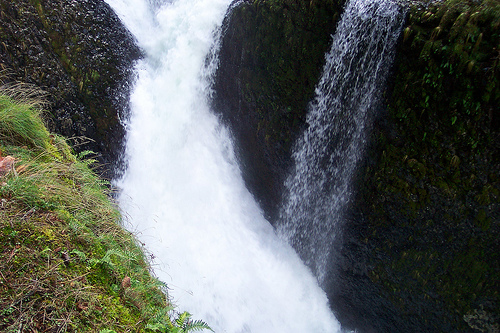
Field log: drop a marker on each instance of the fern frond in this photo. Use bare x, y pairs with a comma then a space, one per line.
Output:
183, 319
84, 154
79, 254
197, 325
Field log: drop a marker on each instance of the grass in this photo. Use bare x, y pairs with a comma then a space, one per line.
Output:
20, 119
66, 264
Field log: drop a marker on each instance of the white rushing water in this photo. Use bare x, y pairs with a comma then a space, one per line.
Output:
320, 187
183, 192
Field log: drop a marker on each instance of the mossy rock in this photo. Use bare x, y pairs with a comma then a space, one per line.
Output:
429, 190
423, 229
82, 56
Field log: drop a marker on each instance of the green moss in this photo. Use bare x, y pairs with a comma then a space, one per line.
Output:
433, 165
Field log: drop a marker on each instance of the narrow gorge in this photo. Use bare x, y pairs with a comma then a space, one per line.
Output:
292, 166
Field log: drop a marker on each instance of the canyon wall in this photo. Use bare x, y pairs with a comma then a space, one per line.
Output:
81, 55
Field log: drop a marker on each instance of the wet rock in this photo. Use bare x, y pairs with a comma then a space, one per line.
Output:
271, 58
419, 251
82, 56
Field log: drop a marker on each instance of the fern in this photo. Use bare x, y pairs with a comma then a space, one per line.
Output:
185, 324
81, 256
163, 323
197, 325
157, 327
84, 154
183, 319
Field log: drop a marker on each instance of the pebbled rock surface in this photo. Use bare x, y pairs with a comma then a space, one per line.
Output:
81, 55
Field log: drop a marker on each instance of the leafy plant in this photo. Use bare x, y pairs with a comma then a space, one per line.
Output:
182, 324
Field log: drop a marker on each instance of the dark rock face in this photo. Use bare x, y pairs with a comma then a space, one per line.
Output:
428, 204
420, 247
81, 55
271, 57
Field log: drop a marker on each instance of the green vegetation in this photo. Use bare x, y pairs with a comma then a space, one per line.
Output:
66, 265
20, 117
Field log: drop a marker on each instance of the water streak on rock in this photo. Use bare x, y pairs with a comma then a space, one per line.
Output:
319, 188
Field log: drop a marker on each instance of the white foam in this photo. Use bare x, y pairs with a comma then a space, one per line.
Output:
183, 190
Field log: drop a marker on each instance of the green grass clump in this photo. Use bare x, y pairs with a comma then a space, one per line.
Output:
66, 265
20, 123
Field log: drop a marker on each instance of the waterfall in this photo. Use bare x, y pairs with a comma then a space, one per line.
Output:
183, 192
319, 188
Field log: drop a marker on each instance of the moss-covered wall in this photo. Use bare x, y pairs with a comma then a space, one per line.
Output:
81, 55
429, 192
420, 248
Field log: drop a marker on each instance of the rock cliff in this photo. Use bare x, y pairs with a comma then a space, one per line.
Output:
81, 55
427, 215
420, 246
271, 57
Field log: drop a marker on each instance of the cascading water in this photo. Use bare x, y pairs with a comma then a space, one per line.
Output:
183, 191
325, 157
